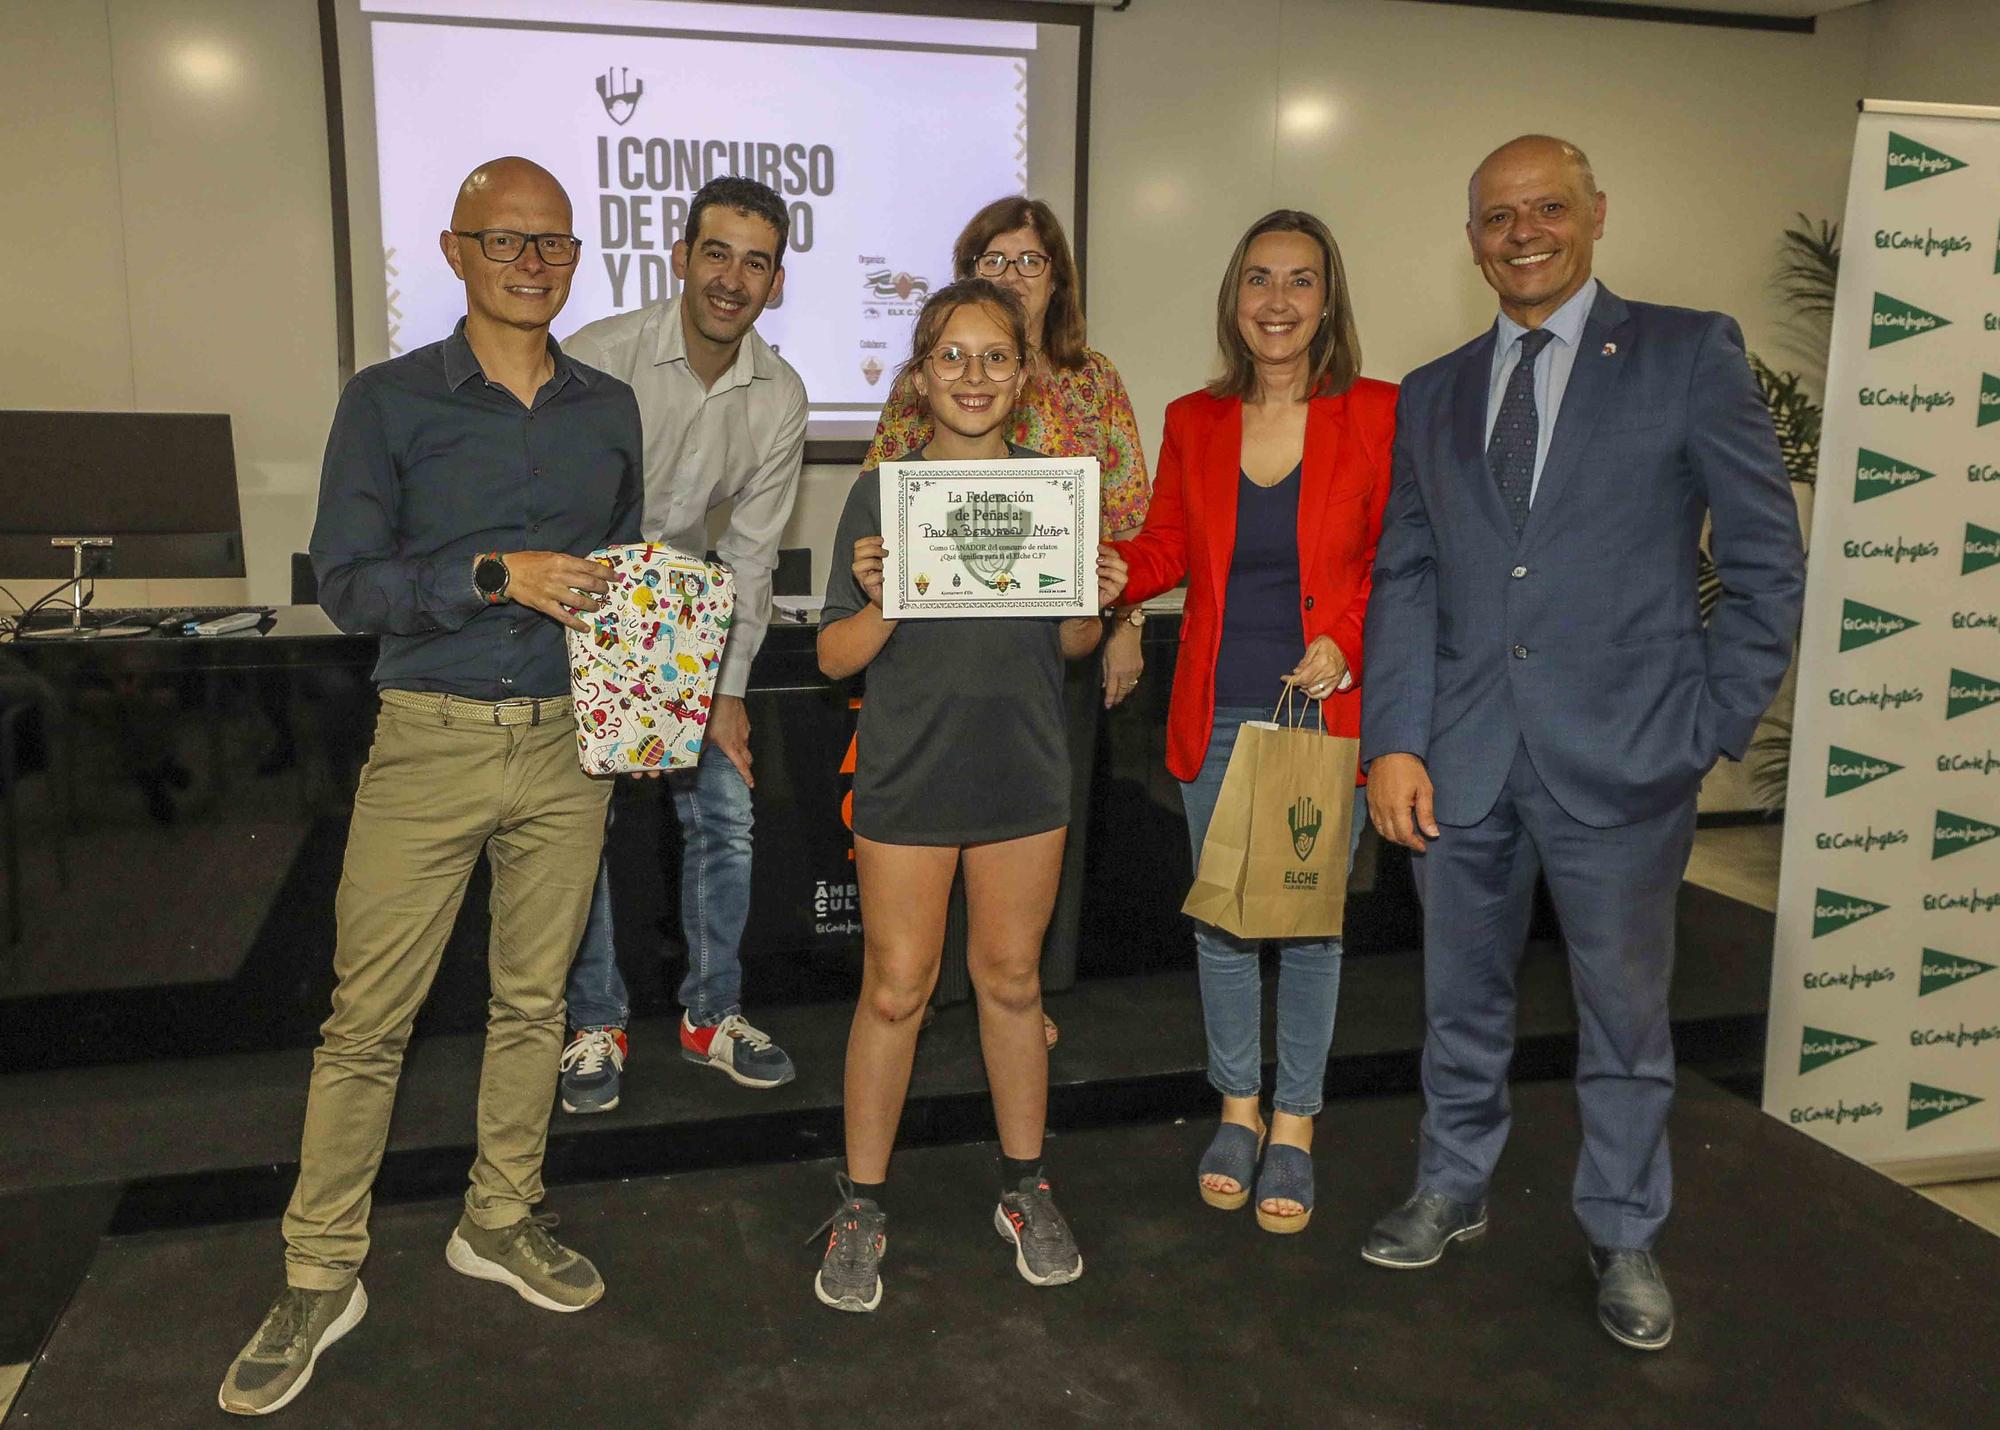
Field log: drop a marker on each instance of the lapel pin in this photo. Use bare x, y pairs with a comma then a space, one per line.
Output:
1611, 350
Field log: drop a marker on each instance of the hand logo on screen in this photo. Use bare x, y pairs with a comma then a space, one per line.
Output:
990, 539
620, 93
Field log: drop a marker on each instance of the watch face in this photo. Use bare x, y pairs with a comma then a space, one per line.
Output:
490, 576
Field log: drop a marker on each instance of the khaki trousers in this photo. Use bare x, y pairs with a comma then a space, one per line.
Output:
443, 783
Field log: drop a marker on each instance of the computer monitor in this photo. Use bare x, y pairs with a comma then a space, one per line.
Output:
160, 485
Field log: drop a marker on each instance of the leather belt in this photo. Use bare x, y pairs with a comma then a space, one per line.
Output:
460, 709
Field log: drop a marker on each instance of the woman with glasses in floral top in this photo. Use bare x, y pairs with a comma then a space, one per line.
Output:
1073, 404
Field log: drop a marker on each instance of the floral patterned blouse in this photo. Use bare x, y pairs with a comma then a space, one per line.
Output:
1074, 412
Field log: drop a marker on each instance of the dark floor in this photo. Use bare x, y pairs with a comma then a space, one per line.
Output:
1874, 1310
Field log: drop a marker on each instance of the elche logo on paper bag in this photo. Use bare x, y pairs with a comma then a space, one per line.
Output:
1894, 320
1876, 475
1989, 398
1966, 692
1982, 549
1833, 911
1850, 769
619, 93
1955, 833
1939, 969
1911, 162
1818, 1047
1862, 624
1304, 819
1928, 1104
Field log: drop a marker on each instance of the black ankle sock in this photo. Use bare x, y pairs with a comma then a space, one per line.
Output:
1013, 1169
870, 1191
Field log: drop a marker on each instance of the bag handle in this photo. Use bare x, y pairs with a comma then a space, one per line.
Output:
1304, 710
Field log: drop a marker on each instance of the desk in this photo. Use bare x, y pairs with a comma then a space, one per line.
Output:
212, 780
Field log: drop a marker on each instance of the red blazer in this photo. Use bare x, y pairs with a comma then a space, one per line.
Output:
1191, 531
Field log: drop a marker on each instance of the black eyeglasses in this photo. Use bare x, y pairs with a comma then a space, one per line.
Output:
506, 245
993, 263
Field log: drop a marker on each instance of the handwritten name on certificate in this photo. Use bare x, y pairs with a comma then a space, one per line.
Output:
1008, 538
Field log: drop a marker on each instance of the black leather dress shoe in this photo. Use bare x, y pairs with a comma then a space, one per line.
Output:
1633, 1303
1416, 1233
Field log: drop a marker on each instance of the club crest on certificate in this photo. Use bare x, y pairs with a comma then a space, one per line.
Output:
1013, 538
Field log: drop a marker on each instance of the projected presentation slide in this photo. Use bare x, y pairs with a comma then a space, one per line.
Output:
882, 133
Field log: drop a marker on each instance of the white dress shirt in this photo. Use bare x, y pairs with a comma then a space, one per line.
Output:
742, 441
1552, 369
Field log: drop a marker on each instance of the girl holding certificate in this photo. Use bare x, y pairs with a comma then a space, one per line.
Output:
960, 762
1072, 404
1271, 488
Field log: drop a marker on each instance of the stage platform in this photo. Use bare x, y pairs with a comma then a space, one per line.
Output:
1870, 1306
181, 1143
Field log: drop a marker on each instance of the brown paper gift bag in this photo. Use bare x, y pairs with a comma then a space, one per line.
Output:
1274, 862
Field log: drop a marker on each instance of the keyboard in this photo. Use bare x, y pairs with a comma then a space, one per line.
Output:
57, 617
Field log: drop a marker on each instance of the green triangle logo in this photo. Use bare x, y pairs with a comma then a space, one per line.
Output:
1982, 549
1955, 833
1912, 163
1989, 398
1966, 692
1894, 320
1047, 580
1928, 1104
1850, 769
1876, 475
1946, 970
1864, 625
1833, 911
1818, 1047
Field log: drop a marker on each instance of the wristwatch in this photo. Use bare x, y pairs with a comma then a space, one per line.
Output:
489, 577
1135, 618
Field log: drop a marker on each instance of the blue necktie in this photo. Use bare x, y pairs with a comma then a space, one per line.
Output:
1517, 432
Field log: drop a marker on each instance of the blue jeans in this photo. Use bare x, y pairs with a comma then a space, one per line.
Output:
1232, 984
713, 805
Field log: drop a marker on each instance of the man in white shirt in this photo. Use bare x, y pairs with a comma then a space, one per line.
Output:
725, 421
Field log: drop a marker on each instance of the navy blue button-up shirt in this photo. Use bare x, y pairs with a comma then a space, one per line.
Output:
428, 465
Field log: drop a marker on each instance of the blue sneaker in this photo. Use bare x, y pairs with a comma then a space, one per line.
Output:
748, 1056
591, 1067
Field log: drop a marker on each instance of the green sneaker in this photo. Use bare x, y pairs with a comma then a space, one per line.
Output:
274, 1367
524, 1256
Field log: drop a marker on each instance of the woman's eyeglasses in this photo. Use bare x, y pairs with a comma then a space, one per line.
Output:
994, 263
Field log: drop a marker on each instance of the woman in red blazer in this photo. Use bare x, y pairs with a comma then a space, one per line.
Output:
1269, 500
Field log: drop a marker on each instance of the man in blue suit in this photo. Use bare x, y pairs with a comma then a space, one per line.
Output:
1542, 695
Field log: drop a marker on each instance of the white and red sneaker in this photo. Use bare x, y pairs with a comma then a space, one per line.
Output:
748, 1056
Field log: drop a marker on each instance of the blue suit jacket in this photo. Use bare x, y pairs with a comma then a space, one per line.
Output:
1583, 637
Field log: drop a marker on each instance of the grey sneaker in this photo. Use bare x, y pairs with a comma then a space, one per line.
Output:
850, 1274
274, 1367
591, 1066
1044, 1252
524, 1256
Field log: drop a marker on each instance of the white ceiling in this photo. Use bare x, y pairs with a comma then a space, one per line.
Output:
1792, 8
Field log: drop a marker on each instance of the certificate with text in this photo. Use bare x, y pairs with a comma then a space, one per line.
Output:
1004, 538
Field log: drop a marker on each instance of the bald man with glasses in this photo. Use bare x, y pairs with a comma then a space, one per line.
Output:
464, 484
